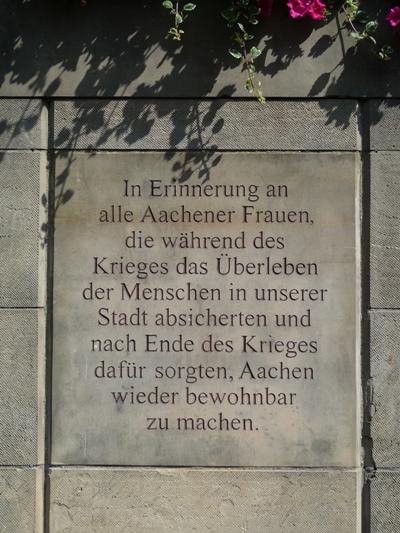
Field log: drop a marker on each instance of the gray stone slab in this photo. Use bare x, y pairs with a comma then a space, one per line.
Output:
22, 124
92, 426
19, 500
385, 371
215, 501
20, 410
218, 124
384, 116
385, 230
122, 52
21, 238
385, 502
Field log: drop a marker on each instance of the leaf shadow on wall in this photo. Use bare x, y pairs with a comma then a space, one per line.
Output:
118, 50
108, 50
103, 51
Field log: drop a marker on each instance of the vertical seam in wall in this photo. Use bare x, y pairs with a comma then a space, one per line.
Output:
41, 319
367, 442
49, 312
358, 318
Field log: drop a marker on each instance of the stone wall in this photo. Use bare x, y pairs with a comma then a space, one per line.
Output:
99, 80
383, 314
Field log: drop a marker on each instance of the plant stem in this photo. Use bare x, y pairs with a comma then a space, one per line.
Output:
247, 63
348, 19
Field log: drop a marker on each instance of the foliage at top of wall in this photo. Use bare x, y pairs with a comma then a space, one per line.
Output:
241, 15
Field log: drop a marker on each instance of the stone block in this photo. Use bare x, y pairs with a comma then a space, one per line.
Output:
21, 387
94, 419
23, 124
385, 372
385, 502
385, 230
384, 116
205, 125
125, 53
22, 184
20, 500
216, 501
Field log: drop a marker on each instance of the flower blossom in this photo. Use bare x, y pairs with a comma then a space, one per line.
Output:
393, 16
265, 7
300, 8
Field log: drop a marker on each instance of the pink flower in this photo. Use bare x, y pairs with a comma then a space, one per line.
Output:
317, 10
393, 16
301, 8
265, 7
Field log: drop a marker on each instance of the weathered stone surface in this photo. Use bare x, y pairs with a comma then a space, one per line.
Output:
384, 116
385, 372
22, 124
91, 427
20, 235
385, 502
20, 377
216, 501
126, 53
385, 230
19, 500
220, 124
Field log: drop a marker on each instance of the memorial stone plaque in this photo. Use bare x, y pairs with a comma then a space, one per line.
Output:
206, 322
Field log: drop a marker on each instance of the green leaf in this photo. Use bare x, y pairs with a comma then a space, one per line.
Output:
235, 53
361, 17
230, 15
189, 7
174, 32
238, 38
249, 85
178, 19
168, 4
255, 52
371, 26
385, 53
241, 27
260, 96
